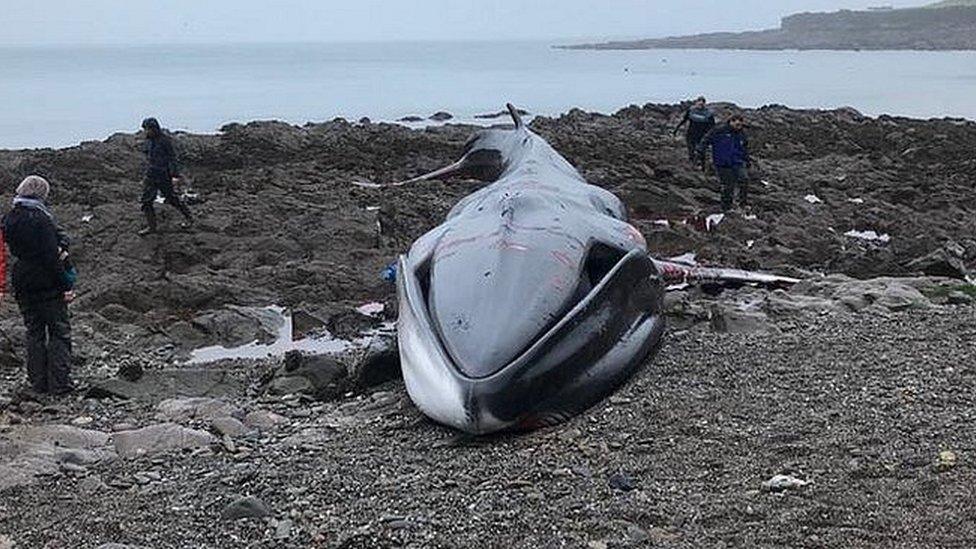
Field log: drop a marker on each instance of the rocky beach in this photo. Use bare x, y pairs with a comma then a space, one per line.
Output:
837, 413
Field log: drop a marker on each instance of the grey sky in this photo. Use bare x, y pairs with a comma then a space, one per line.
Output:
29, 22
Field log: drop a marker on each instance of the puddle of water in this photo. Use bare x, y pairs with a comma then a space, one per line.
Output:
322, 344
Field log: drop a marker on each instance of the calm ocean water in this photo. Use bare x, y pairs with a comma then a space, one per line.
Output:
60, 96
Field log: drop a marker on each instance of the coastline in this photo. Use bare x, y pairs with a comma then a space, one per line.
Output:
950, 28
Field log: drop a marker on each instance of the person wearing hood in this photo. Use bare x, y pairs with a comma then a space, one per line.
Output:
161, 174
700, 120
43, 282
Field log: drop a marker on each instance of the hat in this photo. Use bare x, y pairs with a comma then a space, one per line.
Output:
34, 186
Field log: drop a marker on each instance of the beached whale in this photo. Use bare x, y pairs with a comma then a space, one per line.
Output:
534, 299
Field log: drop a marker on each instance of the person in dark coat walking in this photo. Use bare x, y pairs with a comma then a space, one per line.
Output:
43, 286
730, 155
700, 120
162, 173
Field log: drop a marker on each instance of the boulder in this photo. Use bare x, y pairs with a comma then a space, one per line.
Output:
62, 436
322, 376
159, 439
229, 426
264, 420
441, 116
235, 326
940, 263
735, 321
156, 384
183, 409
894, 294
378, 363
304, 324
29, 451
325, 377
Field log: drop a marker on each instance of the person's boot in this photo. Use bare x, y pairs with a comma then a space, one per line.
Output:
187, 216
150, 223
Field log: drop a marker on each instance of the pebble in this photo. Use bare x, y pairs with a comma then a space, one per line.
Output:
283, 529
946, 460
622, 482
781, 483
245, 507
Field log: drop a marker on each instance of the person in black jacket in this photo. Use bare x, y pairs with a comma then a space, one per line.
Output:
43, 286
730, 155
700, 120
162, 173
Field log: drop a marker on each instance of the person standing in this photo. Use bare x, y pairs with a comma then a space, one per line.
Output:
162, 174
700, 120
43, 286
730, 155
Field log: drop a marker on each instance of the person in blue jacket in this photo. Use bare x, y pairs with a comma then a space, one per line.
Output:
730, 155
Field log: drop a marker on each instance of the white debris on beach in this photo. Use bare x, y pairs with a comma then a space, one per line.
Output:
713, 221
868, 235
813, 199
783, 482
371, 309
87, 218
661, 223
856, 200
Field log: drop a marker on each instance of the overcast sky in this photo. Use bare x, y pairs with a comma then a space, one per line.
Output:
31, 22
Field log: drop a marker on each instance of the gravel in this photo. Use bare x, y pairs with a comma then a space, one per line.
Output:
864, 407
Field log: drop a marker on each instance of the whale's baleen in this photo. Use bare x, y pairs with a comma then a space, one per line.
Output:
532, 301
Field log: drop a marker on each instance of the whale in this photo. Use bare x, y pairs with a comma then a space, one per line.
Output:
535, 298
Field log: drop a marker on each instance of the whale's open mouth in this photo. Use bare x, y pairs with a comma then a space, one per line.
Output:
611, 324
510, 330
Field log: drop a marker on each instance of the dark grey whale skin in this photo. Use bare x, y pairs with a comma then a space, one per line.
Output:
535, 298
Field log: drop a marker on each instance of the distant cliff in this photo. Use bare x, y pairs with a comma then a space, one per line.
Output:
932, 28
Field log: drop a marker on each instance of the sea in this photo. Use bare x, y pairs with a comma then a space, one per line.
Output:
59, 96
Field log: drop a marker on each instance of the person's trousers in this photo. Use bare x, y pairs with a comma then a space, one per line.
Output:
691, 141
732, 178
48, 345
151, 187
